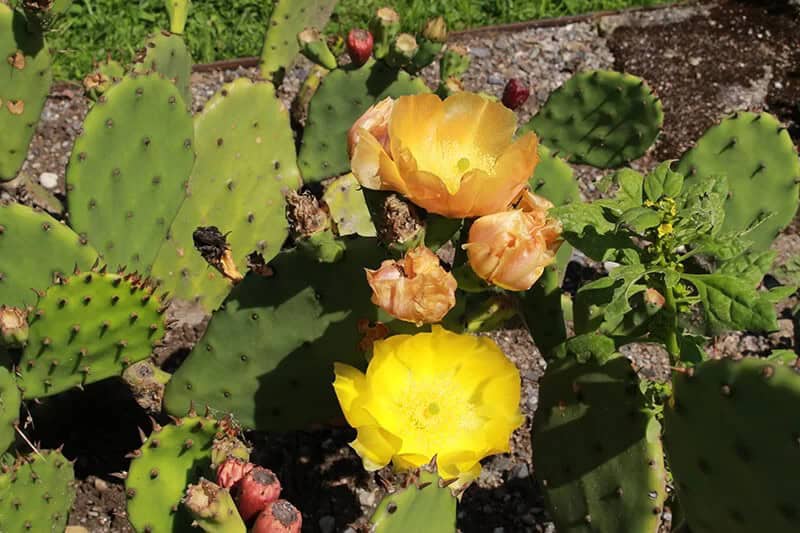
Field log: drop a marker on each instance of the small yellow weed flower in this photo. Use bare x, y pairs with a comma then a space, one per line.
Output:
438, 394
456, 157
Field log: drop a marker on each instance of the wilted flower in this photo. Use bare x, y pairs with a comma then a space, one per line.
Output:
415, 289
13, 326
438, 394
511, 249
455, 157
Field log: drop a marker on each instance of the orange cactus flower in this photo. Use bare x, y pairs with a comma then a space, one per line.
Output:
511, 249
454, 157
415, 289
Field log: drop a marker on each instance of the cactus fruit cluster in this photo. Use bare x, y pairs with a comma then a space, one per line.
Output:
252, 215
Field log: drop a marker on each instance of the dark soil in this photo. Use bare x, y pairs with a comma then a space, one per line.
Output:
730, 56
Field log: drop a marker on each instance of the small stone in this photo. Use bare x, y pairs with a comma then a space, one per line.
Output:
100, 485
499, 530
327, 524
480, 52
694, 61
48, 180
496, 79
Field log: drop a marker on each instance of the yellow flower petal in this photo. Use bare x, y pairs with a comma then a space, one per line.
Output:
472, 119
373, 167
350, 385
375, 446
414, 122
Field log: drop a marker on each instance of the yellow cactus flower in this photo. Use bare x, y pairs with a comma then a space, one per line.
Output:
511, 249
439, 394
455, 157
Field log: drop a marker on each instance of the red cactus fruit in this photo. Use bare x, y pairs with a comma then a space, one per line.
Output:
359, 46
279, 517
232, 471
257, 488
515, 94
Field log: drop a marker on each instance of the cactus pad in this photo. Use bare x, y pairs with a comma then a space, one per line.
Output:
256, 363
10, 400
348, 208
245, 164
170, 459
757, 156
290, 17
596, 479
731, 431
24, 83
343, 97
86, 328
37, 493
166, 54
601, 118
178, 11
136, 147
424, 506
34, 248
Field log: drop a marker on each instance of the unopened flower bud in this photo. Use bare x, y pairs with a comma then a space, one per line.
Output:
359, 46
435, 30
511, 249
414, 289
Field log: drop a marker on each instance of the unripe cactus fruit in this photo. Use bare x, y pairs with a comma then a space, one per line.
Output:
359, 46
257, 488
279, 517
231, 472
402, 51
515, 94
384, 26
314, 46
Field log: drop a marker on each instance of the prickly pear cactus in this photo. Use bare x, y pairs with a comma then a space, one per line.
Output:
596, 479
731, 433
88, 327
601, 118
422, 506
348, 208
136, 146
34, 249
757, 156
290, 17
171, 458
10, 400
106, 73
166, 53
36, 494
255, 363
245, 165
178, 11
24, 83
344, 95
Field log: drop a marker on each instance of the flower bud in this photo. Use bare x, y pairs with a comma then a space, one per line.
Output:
515, 94
13, 327
415, 289
511, 249
359, 46
435, 30
375, 121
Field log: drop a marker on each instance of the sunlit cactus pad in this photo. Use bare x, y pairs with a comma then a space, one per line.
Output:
732, 434
422, 506
170, 459
24, 83
167, 54
245, 165
34, 249
601, 118
88, 327
596, 451
36, 494
348, 208
128, 169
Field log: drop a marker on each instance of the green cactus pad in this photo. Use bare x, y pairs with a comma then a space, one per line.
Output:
731, 432
256, 363
37, 493
89, 327
245, 164
170, 459
429, 508
136, 147
104, 76
348, 208
343, 97
597, 451
290, 17
178, 11
34, 249
601, 118
24, 83
10, 400
166, 53
757, 156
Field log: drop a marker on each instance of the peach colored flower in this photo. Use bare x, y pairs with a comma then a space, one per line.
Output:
415, 289
511, 249
455, 157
